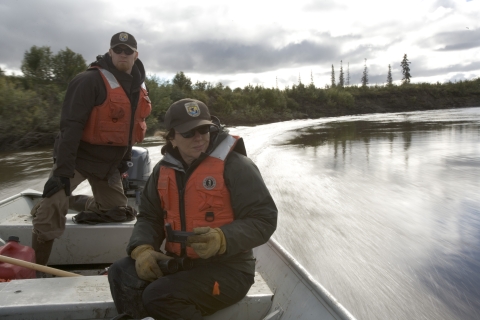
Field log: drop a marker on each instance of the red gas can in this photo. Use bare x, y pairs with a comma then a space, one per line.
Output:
14, 249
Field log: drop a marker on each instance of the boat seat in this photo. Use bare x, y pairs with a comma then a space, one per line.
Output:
89, 297
105, 243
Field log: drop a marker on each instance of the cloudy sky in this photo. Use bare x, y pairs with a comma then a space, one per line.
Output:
267, 43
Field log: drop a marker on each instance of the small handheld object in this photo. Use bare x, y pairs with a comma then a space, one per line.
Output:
168, 266
184, 263
176, 236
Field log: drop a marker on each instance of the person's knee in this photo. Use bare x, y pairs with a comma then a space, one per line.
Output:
121, 269
162, 301
123, 273
157, 298
114, 271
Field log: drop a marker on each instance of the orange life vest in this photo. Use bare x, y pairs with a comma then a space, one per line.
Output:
206, 197
109, 123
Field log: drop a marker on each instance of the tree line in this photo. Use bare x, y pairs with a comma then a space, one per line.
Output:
405, 64
30, 104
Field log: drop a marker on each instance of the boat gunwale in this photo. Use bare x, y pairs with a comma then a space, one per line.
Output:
309, 281
25, 193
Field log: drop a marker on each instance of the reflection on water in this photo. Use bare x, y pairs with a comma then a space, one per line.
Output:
29, 169
340, 133
389, 210
24, 169
383, 210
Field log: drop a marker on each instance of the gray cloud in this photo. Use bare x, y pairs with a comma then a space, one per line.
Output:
378, 74
197, 39
457, 40
444, 3
50, 23
224, 57
322, 6
456, 67
56, 28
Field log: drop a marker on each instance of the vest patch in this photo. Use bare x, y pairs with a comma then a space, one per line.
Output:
209, 183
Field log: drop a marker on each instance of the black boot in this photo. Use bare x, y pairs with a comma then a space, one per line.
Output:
42, 252
78, 202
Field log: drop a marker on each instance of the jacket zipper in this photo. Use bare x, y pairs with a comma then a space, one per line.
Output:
182, 218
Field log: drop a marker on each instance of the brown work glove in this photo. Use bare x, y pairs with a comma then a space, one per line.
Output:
207, 242
146, 262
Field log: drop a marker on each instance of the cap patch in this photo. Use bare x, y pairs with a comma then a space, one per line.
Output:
209, 183
193, 109
123, 36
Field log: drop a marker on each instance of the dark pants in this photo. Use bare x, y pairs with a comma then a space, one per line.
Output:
182, 295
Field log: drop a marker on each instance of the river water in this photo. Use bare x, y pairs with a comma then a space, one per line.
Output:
383, 209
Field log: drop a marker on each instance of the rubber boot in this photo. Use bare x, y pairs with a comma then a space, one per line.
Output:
42, 252
78, 202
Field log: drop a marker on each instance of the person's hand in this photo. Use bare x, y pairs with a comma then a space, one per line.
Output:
146, 262
207, 242
123, 166
55, 184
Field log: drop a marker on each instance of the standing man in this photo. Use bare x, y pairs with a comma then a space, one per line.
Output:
103, 115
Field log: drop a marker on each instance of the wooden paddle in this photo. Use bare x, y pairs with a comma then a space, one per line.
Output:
38, 267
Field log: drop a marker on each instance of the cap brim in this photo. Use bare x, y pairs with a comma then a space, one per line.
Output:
192, 125
124, 44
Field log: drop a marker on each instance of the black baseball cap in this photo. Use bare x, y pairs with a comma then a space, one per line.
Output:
123, 38
187, 114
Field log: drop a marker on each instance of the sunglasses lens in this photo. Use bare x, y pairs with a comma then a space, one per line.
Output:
191, 133
203, 130
188, 134
118, 50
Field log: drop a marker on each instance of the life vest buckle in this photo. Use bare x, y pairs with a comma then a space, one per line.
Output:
209, 216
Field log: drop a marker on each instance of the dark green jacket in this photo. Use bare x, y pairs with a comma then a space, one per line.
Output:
254, 209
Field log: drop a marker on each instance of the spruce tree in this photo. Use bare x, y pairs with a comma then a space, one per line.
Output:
341, 80
333, 77
389, 76
405, 70
348, 73
365, 75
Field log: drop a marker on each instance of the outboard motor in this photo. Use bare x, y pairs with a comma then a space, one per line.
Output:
139, 169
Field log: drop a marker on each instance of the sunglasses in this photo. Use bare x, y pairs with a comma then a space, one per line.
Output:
191, 133
128, 51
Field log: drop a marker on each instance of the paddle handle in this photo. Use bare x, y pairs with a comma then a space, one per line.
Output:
38, 267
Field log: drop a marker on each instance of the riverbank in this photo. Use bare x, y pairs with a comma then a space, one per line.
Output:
31, 119
377, 104
368, 105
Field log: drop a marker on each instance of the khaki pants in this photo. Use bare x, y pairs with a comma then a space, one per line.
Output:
49, 213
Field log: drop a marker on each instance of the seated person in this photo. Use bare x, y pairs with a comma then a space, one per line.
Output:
204, 184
